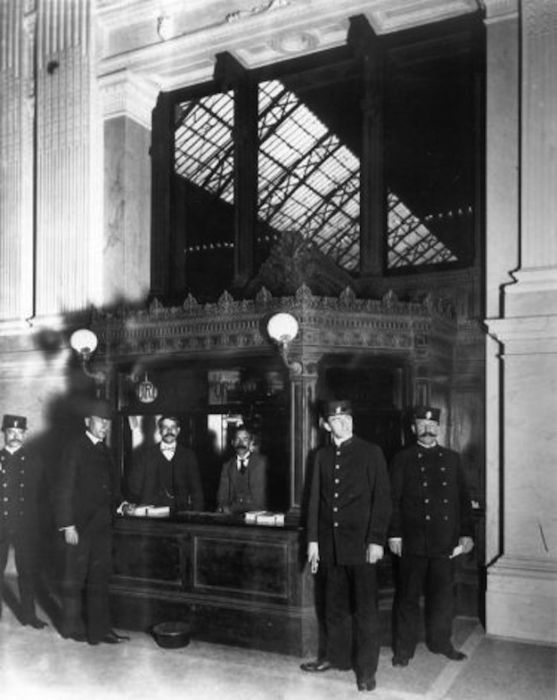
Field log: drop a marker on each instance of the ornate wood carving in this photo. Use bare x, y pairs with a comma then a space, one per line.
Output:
327, 324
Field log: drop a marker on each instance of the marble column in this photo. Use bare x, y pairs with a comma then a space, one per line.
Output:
522, 582
127, 101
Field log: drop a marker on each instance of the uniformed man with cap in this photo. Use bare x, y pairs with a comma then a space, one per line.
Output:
86, 498
348, 516
20, 475
431, 525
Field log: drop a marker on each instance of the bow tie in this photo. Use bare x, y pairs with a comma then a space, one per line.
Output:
168, 448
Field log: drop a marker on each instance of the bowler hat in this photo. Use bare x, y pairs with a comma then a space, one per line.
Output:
96, 407
427, 413
338, 408
10, 421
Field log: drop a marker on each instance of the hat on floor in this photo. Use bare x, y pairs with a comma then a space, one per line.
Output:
427, 413
14, 422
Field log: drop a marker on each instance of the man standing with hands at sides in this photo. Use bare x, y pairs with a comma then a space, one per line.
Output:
167, 474
431, 525
348, 517
20, 474
243, 480
86, 498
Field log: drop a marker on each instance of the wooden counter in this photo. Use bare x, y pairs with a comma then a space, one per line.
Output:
237, 584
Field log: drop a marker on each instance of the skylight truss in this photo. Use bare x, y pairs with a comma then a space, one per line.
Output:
308, 180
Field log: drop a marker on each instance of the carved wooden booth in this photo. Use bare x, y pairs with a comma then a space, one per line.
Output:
214, 365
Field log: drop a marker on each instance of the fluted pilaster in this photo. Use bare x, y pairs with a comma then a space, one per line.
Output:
539, 138
17, 88
69, 214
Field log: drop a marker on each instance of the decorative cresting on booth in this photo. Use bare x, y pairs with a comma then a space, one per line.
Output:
419, 333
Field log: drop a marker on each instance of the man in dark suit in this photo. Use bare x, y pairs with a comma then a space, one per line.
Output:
166, 474
20, 475
348, 517
86, 498
431, 524
243, 480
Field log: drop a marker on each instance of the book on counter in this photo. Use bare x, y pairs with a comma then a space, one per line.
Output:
264, 517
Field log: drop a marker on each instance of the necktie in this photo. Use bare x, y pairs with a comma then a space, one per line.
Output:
242, 465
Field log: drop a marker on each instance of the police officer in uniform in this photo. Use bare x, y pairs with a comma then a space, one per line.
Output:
431, 525
348, 516
20, 474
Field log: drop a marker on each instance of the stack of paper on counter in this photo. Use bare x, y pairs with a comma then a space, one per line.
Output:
265, 517
142, 511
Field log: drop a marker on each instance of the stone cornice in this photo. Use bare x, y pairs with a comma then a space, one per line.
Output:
525, 335
175, 43
127, 94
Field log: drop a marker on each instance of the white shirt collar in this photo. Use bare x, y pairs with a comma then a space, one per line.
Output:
94, 440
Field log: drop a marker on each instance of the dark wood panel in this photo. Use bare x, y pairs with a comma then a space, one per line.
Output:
244, 567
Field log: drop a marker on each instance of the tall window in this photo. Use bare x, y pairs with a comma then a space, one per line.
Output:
307, 136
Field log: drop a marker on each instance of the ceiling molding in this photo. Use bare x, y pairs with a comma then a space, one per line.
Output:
174, 44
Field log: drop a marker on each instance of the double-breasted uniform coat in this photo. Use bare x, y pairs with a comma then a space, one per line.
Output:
86, 495
431, 511
21, 473
349, 508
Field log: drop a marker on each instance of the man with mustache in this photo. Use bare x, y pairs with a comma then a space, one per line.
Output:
243, 480
430, 526
167, 473
20, 475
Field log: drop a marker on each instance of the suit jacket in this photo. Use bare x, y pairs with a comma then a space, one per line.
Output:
350, 501
87, 491
21, 477
243, 492
431, 503
154, 480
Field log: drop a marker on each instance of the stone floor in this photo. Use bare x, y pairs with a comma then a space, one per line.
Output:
40, 664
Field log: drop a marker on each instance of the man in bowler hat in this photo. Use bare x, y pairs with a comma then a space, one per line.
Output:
348, 516
431, 525
86, 498
20, 475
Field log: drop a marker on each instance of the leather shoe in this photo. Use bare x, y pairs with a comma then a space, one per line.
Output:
452, 654
318, 666
36, 623
109, 638
399, 660
75, 637
121, 637
366, 683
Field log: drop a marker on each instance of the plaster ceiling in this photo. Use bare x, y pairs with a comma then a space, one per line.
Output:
173, 43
